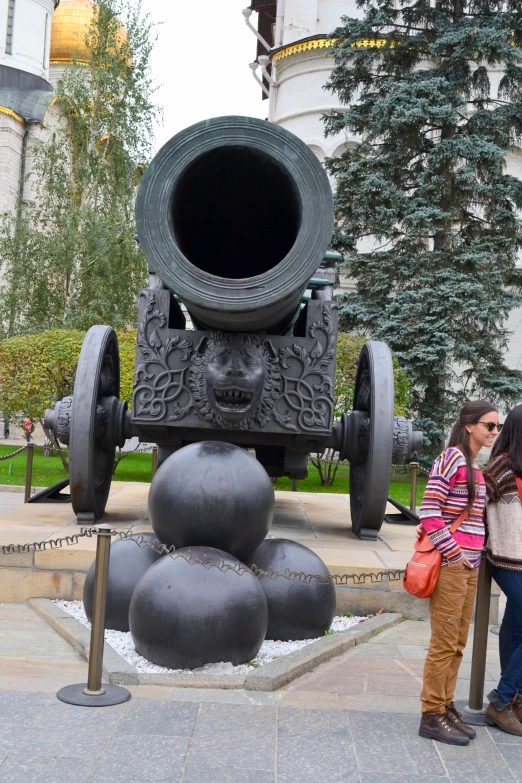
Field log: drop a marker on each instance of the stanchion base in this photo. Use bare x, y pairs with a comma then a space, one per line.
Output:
472, 718
74, 694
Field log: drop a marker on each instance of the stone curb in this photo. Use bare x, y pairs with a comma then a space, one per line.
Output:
115, 668
270, 677
280, 672
19, 488
226, 682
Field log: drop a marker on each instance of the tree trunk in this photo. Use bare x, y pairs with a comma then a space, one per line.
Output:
336, 467
326, 467
55, 445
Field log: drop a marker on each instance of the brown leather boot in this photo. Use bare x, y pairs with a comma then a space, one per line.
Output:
505, 719
517, 706
439, 726
456, 718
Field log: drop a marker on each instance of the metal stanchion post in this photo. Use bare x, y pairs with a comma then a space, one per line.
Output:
154, 460
294, 485
413, 485
94, 693
28, 471
473, 710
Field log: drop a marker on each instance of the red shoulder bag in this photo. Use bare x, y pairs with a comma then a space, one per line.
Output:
423, 569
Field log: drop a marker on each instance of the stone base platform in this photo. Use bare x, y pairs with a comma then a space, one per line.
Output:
320, 521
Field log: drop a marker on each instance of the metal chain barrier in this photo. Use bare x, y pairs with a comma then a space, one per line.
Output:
41, 546
192, 559
18, 451
240, 569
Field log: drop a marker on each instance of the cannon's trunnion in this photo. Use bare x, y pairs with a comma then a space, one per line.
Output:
235, 216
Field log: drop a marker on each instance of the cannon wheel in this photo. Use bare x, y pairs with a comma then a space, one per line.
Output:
371, 468
91, 460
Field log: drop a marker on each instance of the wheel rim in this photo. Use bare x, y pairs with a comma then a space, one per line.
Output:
370, 477
91, 460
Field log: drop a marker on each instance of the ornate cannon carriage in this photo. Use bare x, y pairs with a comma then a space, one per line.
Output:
235, 216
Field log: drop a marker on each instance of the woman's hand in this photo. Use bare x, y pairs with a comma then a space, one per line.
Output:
464, 560
419, 532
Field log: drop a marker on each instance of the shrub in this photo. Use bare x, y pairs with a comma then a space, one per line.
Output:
349, 347
36, 370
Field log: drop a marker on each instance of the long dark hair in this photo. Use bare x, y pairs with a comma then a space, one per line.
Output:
510, 440
470, 414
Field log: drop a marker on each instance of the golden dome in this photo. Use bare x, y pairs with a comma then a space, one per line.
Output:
71, 22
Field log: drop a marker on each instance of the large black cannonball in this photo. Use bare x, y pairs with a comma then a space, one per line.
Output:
127, 564
212, 494
296, 609
186, 613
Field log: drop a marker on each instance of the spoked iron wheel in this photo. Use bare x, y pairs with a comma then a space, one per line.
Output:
370, 465
96, 422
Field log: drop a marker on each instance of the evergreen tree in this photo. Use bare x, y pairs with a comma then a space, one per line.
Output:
69, 257
434, 92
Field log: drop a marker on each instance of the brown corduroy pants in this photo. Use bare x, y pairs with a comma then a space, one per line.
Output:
451, 608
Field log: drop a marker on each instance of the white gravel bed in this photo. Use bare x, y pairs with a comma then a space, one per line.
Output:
122, 643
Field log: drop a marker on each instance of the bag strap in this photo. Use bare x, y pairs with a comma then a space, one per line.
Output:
460, 519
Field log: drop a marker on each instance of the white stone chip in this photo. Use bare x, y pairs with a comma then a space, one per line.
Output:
122, 643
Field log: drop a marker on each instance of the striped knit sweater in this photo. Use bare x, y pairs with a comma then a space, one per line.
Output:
445, 498
504, 515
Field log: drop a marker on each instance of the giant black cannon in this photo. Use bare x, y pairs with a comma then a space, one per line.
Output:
235, 216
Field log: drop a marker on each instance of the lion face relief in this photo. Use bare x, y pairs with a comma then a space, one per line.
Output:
234, 380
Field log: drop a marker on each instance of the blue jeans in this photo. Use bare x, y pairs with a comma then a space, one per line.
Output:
510, 582
504, 639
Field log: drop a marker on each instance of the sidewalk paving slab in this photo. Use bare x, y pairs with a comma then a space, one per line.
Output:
298, 734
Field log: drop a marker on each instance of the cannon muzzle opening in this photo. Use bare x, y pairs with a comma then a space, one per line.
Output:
234, 215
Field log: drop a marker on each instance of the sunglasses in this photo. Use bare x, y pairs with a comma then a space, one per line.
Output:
491, 425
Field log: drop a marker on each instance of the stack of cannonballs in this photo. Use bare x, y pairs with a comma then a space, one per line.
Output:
214, 503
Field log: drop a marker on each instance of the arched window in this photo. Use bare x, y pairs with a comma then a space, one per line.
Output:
10, 26
45, 40
346, 145
316, 149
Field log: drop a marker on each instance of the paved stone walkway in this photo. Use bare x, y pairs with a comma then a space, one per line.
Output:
10, 500
353, 720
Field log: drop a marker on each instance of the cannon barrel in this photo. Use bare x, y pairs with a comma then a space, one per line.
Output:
234, 215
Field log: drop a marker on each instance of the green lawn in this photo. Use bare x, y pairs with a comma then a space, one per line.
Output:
49, 470
137, 467
399, 486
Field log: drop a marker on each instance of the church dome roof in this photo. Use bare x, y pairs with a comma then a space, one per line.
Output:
70, 24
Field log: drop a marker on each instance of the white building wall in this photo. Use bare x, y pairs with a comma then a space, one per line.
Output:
300, 99
38, 134
300, 19
312, 17
56, 73
31, 35
329, 13
11, 140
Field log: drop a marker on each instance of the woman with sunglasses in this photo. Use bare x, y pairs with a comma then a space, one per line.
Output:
455, 491
504, 551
